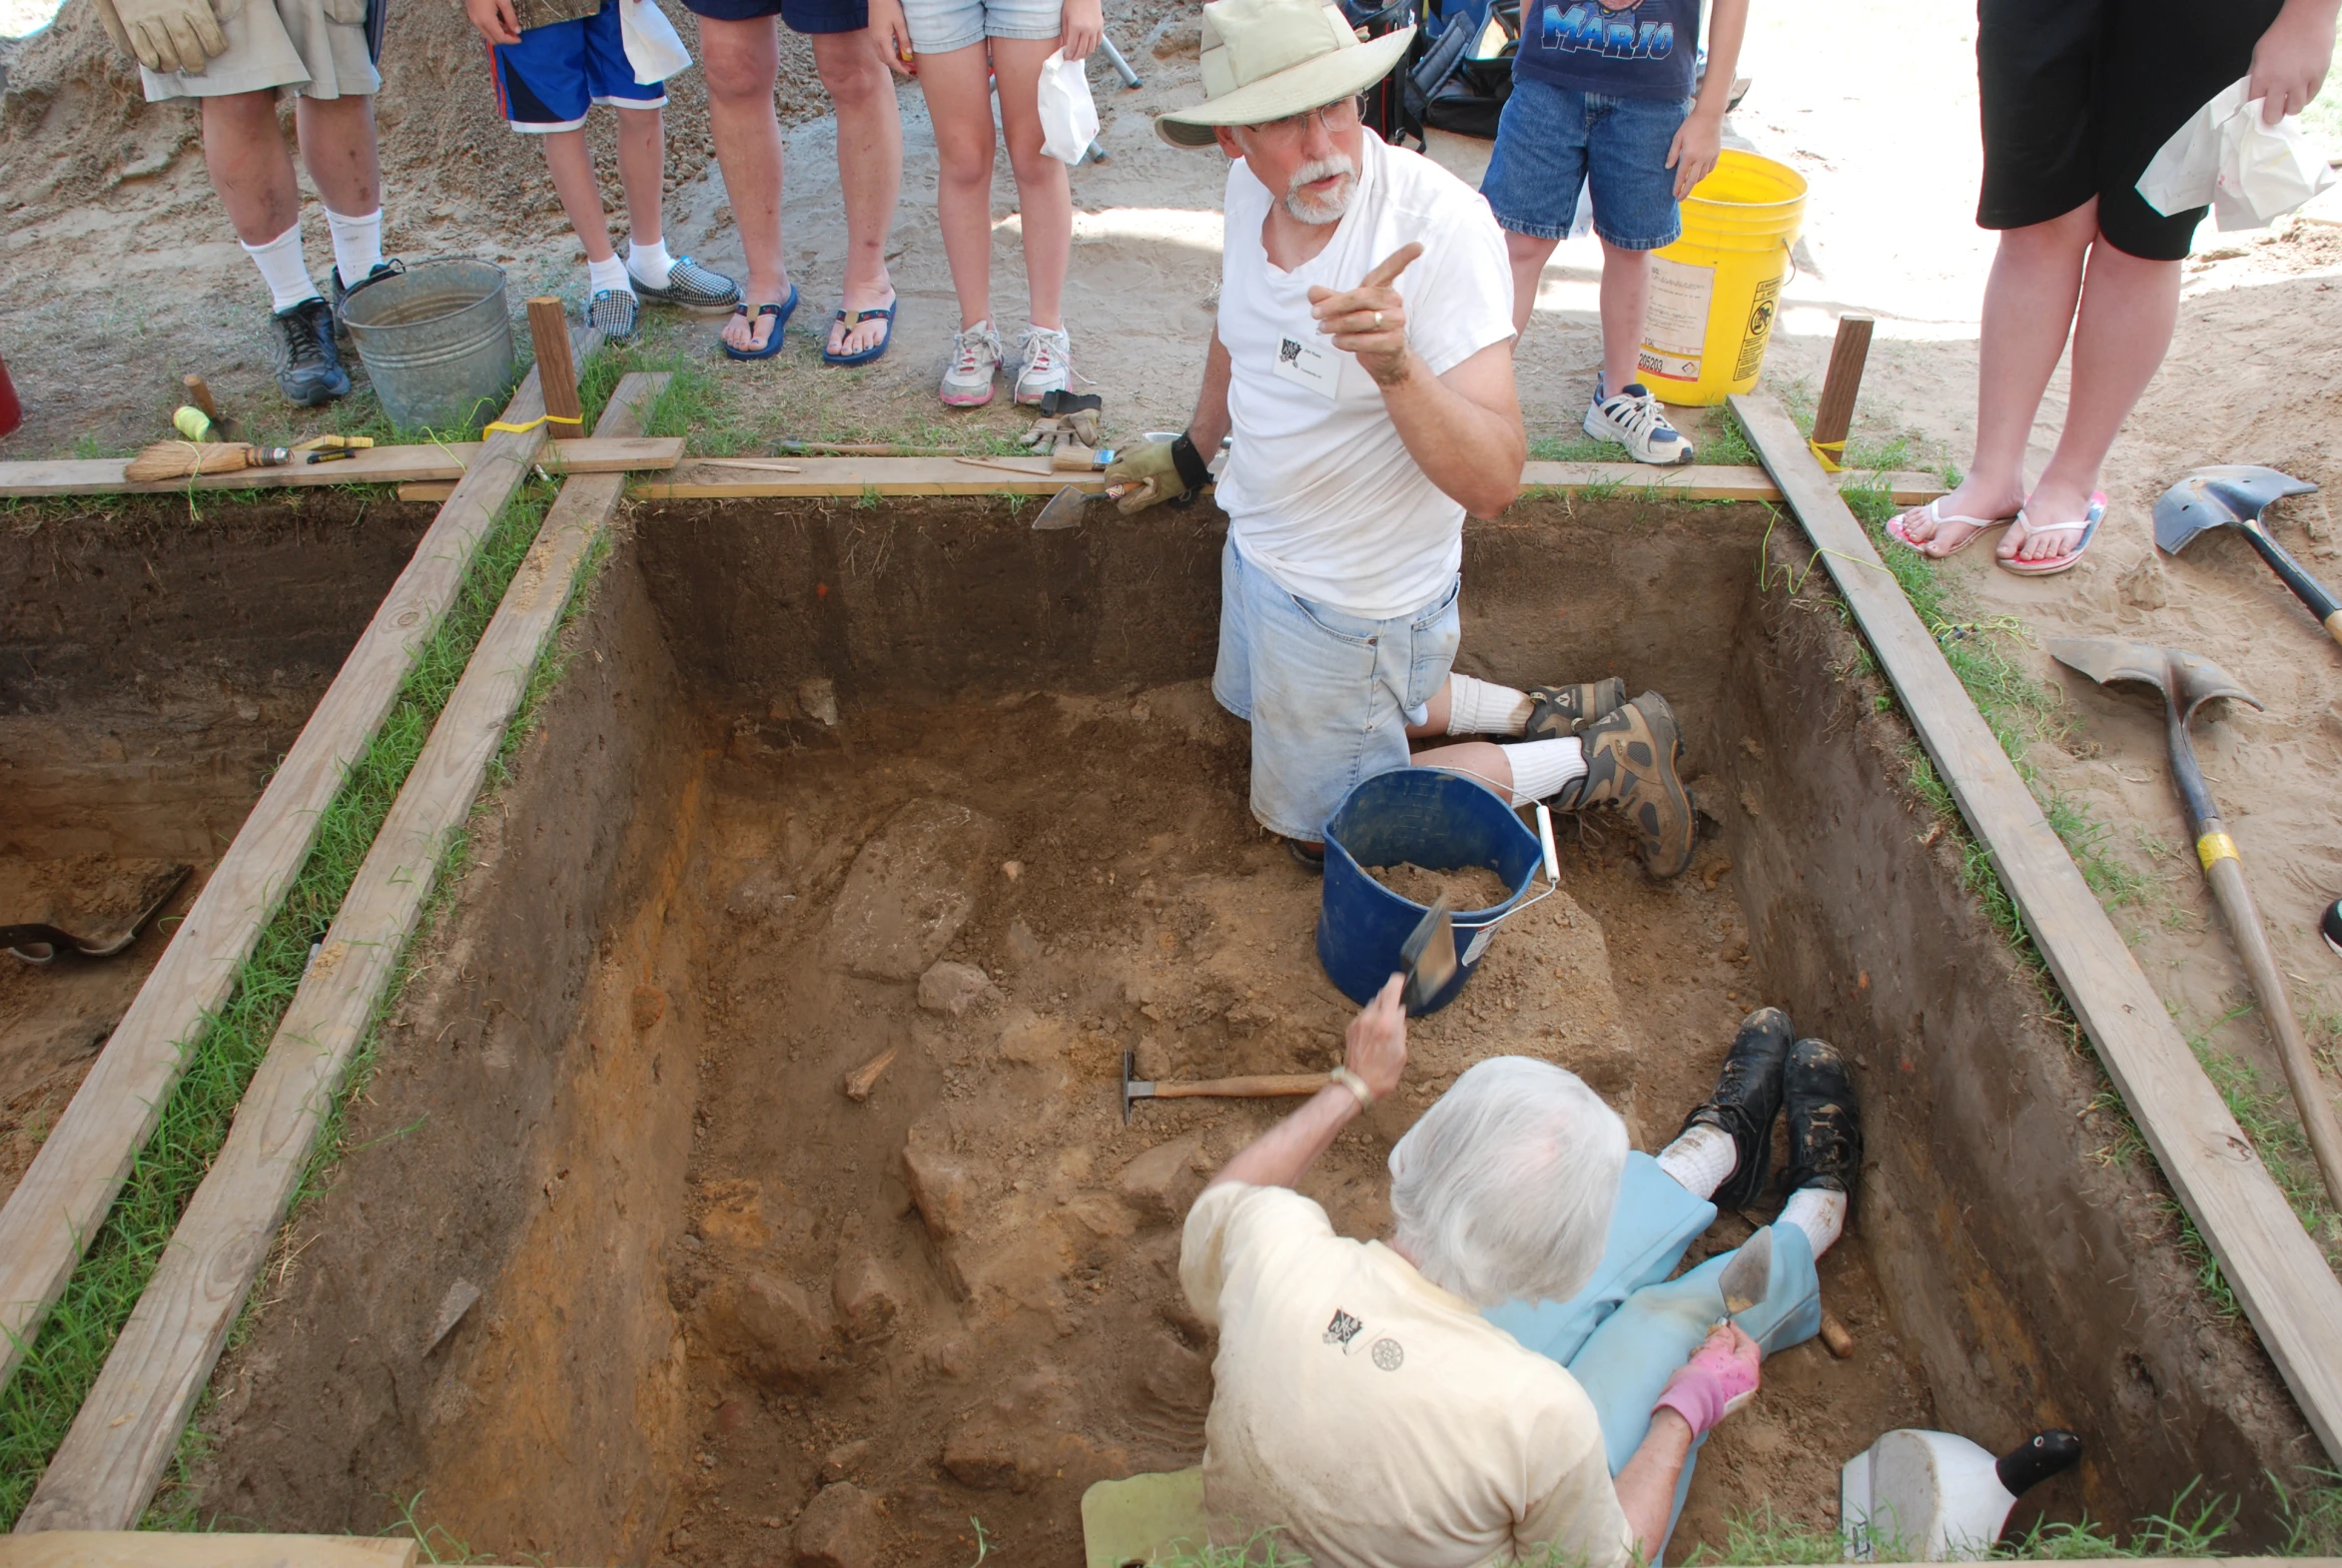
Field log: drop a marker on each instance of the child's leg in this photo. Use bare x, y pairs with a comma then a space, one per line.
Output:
1528, 253
642, 168
1626, 297
1043, 191
957, 85
571, 163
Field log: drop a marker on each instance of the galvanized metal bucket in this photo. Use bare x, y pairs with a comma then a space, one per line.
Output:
437, 341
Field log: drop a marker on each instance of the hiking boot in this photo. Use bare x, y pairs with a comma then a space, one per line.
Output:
340, 296
1746, 1101
309, 366
689, 286
1631, 418
1825, 1124
1631, 760
976, 359
1558, 711
1045, 358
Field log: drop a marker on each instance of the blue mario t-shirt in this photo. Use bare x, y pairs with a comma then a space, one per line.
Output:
1620, 48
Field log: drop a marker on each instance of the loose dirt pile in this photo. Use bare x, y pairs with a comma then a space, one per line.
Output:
1466, 888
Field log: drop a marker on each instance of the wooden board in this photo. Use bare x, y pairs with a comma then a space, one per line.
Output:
65, 1192
110, 1463
2276, 1270
204, 1549
436, 460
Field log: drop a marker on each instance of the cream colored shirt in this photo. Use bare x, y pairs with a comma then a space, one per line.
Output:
1375, 1417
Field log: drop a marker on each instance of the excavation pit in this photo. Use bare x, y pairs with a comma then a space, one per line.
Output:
750, 1123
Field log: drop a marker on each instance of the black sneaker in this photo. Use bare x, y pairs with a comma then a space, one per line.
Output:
1825, 1124
1747, 1098
690, 286
1560, 711
340, 296
1631, 760
309, 366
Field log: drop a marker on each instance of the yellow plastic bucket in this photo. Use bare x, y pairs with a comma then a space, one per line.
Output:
1714, 292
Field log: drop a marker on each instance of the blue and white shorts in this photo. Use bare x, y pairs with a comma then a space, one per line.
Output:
548, 80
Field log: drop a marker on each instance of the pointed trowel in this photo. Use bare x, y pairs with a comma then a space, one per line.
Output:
1063, 511
1749, 1276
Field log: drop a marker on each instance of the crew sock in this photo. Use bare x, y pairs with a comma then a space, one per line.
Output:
282, 269
1541, 767
358, 245
606, 274
649, 264
1477, 707
1701, 1159
1819, 1211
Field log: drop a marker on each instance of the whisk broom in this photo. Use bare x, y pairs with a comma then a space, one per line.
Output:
181, 459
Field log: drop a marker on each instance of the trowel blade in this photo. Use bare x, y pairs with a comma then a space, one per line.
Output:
1428, 957
1749, 1276
2217, 497
1063, 511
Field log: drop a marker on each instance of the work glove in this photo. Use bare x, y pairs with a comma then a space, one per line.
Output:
1721, 1376
166, 35
1156, 471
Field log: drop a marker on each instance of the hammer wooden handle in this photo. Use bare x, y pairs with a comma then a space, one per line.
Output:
1261, 1087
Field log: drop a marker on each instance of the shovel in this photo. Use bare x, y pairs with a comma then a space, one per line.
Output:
2234, 495
2189, 681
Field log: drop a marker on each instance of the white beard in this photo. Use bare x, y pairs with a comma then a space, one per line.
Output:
1316, 210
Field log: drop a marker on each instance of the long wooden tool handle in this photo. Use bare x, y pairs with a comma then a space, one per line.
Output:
2226, 873
1263, 1087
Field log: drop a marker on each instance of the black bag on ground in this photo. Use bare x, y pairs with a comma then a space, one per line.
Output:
1452, 89
1382, 107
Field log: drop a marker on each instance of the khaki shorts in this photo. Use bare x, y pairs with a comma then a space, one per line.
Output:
316, 46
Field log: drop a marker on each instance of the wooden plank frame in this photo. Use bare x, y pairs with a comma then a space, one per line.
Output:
2277, 1271
110, 1463
58, 1205
423, 462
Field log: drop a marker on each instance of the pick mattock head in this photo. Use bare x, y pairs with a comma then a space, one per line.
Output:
2190, 679
2218, 498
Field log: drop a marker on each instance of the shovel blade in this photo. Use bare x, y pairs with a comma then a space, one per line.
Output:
2215, 497
1063, 511
1749, 1276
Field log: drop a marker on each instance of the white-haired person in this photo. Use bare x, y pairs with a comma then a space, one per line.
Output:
1512, 1374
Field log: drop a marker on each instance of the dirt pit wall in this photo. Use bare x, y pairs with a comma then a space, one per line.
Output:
683, 1202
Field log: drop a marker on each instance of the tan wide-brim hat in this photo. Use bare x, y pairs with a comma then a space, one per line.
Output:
1267, 59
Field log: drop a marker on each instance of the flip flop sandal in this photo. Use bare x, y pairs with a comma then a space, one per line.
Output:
772, 345
1976, 525
854, 318
2050, 566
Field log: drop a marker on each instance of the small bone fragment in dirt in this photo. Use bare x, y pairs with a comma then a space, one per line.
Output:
1012, 869
1161, 1183
819, 700
864, 1078
1835, 1339
952, 987
840, 1528
1715, 874
938, 1188
459, 1300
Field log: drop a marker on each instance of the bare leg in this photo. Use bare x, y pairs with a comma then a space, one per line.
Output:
250, 166
2128, 307
642, 170
582, 197
1528, 256
870, 167
338, 146
1044, 192
742, 62
1435, 712
959, 101
1479, 759
1626, 296
2029, 308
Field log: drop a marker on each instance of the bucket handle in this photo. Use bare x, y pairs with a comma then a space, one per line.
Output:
1789, 246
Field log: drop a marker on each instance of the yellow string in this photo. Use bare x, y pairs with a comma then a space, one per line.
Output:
1827, 454
524, 429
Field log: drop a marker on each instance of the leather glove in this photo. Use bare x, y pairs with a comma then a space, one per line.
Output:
1155, 472
165, 35
1721, 1376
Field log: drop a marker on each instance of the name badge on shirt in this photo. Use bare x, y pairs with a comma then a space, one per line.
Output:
1309, 365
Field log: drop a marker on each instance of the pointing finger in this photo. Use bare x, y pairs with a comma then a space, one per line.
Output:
1393, 264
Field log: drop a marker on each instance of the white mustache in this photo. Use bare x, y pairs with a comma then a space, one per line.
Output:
1316, 210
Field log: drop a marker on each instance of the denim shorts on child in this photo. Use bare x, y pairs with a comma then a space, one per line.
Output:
557, 72
1329, 695
941, 26
1554, 140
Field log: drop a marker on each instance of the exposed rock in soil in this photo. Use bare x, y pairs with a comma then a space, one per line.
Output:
867, 1299
952, 987
1161, 1183
768, 1326
940, 1187
1471, 886
911, 890
840, 1528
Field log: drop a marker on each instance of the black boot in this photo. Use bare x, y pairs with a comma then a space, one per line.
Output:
308, 368
1825, 1124
1559, 711
1747, 1098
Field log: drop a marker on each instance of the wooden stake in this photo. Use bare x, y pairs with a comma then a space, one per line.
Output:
556, 372
1834, 416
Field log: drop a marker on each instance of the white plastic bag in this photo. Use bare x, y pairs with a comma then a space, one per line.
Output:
1068, 119
2250, 173
653, 50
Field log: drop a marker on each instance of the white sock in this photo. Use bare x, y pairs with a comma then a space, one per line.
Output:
1819, 1213
606, 275
1700, 1161
1476, 707
282, 267
649, 264
358, 245
1542, 767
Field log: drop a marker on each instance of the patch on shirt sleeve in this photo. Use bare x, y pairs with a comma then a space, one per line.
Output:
1343, 1330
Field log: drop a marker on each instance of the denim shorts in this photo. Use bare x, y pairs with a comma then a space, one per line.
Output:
802, 16
1554, 140
941, 26
1329, 695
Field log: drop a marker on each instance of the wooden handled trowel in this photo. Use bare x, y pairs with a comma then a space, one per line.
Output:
1063, 511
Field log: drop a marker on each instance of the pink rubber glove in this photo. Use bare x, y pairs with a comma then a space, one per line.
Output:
1720, 1377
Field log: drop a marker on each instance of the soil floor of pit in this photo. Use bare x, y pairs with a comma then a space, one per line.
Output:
1042, 1342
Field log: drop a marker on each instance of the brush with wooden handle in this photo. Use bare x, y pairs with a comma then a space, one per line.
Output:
183, 459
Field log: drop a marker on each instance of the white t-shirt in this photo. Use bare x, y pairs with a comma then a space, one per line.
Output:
1320, 490
1375, 1417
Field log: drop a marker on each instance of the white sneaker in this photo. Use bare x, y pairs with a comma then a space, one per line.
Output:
976, 358
1632, 419
1045, 358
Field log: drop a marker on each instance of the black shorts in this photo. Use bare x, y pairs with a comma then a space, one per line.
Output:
2078, 95
803, 16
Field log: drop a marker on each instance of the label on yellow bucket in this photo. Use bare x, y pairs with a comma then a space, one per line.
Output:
1675, 326
1759, 330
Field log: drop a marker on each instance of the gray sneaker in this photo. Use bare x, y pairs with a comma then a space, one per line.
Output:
691, 286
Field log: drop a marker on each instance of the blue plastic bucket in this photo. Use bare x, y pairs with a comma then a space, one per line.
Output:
1439, 820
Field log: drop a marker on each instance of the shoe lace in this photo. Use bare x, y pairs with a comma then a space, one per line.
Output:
1640, 414
1039, 347
966, 345
303, 341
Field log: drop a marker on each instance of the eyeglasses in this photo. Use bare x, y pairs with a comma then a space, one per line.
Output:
1340, 115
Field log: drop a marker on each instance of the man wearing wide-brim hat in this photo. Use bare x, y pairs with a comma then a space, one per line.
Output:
1362, 364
